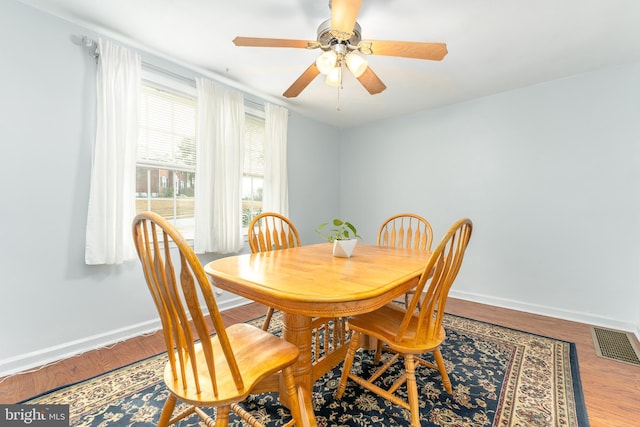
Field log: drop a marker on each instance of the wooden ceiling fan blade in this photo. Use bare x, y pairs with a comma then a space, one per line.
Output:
269, 42
371, 81
302, 82
344, 14
418, 50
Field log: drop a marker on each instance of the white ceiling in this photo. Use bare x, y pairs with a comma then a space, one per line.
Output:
494, 45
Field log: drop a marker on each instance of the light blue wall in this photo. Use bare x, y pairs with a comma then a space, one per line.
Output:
52, 303
314, 176
549, 174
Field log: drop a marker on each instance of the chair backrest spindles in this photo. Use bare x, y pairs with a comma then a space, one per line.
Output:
177, 289
406, 231
439, 274
271, 231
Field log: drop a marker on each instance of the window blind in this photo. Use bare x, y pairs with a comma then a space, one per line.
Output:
254, 146
167, 129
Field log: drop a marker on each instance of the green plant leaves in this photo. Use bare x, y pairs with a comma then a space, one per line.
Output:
342, 230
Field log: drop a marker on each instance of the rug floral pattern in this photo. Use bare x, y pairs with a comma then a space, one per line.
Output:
500, 377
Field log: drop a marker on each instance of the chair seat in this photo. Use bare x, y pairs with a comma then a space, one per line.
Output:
384, 323
258, 353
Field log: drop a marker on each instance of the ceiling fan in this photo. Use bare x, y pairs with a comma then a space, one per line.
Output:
339, 38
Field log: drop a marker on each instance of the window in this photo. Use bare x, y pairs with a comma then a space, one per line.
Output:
166, 158
253, 174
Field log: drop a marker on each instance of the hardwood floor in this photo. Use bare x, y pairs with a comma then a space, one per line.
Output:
611, 389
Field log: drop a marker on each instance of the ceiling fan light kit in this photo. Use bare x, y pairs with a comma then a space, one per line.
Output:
334, 78
340, 39
330, 63
327, 61
356, 64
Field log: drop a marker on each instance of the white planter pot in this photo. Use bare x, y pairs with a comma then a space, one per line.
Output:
344, 248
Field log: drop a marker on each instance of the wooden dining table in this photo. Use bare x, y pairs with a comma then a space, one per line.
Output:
315, 292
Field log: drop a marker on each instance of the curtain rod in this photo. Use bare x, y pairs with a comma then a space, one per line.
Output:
92, 46
150, 67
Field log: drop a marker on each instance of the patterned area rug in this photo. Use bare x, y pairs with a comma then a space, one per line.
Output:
500, 377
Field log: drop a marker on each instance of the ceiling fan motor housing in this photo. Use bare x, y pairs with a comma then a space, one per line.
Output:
328, 37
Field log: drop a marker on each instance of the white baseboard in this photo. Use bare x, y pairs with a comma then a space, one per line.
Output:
36, 359
33, 360
573, 316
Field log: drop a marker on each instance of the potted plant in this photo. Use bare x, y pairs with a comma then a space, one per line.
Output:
342, 234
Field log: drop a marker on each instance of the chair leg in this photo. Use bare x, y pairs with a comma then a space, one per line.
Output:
348, 363
167, 411
407, 298
222, 416
298, 413
267, 319
378, 355
446, 382
412, 389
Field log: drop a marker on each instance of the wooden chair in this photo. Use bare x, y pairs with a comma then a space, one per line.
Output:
271, 231
205, 370
411, 331
406, 230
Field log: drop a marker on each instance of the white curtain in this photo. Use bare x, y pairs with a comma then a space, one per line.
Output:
113, 171
276, 190
219, 162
